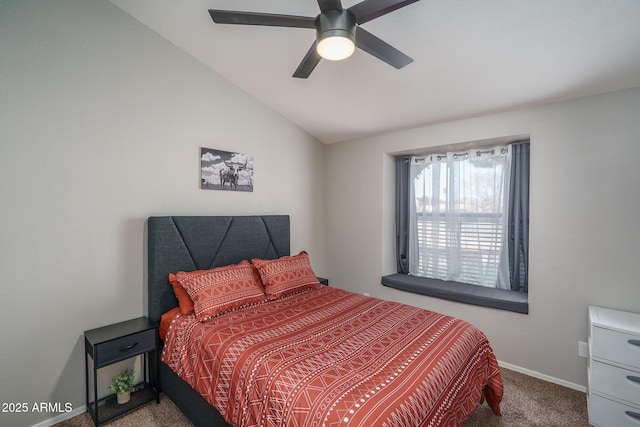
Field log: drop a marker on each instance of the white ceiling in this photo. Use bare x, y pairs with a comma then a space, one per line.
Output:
471, 57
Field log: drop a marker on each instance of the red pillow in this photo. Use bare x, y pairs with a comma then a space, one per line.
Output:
222, 289
184, 300
286, 275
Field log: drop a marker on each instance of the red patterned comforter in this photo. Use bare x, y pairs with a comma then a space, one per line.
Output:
327, 357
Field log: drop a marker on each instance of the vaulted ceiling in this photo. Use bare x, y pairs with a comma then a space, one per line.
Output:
471, 57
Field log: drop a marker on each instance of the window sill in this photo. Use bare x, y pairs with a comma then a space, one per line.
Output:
460, 292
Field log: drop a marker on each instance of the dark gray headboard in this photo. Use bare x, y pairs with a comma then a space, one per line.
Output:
186, 243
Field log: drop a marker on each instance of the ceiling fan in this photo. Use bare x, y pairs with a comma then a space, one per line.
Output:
338, 30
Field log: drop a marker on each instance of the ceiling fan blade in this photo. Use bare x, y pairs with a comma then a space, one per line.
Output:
255, 18
329, 4
371, 9
308, 63
380, 49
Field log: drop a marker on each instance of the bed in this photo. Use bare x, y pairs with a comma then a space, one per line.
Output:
310, 356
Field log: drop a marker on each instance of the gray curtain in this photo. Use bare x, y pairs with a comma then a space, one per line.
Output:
519, 217
402, 213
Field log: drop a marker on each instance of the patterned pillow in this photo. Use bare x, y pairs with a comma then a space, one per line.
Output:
222, 289
286, 275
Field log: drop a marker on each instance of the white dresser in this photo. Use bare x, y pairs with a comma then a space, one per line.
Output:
614, 368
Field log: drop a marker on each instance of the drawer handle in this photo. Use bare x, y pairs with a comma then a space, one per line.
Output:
633, 379
634, 415
635, 342
128, 347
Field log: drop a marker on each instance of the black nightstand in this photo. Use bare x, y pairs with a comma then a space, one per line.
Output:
112, 344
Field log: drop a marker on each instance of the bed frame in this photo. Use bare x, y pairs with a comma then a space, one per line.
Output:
186, 243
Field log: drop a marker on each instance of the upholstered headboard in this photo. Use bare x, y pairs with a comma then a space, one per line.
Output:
186, 243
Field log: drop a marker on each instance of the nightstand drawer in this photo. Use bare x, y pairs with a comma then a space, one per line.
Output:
616, 347
125, 347
616, 382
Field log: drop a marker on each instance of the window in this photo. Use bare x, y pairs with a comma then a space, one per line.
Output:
463, 224
457, 216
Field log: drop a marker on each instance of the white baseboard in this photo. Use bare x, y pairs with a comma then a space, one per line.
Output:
65, 416
543, 377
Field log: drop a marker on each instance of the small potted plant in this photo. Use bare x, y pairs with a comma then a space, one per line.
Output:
122, 384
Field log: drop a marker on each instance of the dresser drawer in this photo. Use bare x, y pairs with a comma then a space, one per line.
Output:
617, 347
616, 382
125, 347
607, 413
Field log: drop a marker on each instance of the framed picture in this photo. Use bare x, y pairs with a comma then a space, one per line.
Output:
225, 170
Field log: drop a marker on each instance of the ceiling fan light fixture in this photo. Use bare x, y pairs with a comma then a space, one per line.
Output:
336, 34
335, 48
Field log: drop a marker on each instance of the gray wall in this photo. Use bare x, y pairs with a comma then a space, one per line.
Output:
101, 122
584, 223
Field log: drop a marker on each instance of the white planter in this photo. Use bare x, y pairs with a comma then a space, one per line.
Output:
123, 397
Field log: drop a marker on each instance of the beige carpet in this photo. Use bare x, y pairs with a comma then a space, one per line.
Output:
527, 402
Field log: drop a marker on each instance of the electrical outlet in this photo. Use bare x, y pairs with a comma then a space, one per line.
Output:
583, 349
